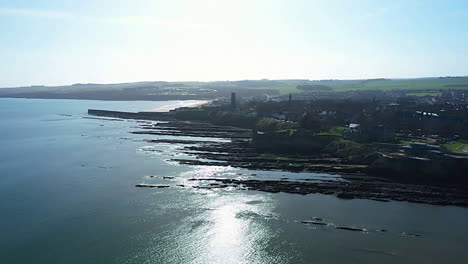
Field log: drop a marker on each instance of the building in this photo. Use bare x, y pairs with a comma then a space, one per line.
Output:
233, 101
379, 133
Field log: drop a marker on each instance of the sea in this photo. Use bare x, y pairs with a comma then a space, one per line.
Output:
68, 195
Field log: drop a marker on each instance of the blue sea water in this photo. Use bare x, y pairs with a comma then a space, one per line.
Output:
67, 195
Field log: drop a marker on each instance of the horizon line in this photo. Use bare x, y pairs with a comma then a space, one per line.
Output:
263, 79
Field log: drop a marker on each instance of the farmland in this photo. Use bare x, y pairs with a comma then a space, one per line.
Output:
160, 90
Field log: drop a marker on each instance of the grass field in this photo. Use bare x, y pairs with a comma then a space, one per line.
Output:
334, 131
289, 86
459, 146
289, 132
282, 90
396, 84
283, 86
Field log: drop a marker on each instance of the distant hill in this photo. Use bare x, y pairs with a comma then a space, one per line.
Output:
160, 90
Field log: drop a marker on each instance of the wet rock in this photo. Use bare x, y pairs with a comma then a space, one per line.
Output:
345, 195
350, 228
380, 200
168, 177
411, 234
202, 187
177, 141
348, 190
144, 185
313, 222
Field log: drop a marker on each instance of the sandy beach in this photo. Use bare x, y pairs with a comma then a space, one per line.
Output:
177, 104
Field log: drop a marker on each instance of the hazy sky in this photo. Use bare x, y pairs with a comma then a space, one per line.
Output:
105, 41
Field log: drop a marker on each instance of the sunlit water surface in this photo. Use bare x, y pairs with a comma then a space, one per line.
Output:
67, 195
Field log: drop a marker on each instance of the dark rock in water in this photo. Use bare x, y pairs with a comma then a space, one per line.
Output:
203, 187
181, 185
143, 185
317, 218
353, 190
168, 177
284, 178
382, 230
313, 222
410, 234
344, 195
374, 251
380, 200
151, 176
350, 228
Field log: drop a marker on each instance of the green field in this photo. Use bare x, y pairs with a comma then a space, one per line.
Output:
282, 90
289, 132
459, 146
334, 131
289, 86
283, 86
396, 84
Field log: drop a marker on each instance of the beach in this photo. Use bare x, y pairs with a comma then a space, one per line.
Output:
177, 104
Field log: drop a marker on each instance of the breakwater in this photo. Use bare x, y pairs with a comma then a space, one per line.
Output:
130, 115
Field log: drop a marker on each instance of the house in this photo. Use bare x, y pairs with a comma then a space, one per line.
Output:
353, 132
378, 133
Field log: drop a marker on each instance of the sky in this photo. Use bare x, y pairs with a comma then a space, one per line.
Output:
61, 42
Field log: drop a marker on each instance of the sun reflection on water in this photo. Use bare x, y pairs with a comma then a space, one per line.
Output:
234, 230
210, 171
216, 225
227, 237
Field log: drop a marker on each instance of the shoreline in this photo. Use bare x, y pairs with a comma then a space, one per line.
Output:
180, 103
240, 152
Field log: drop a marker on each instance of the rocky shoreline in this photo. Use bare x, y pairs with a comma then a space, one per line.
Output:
194, 129
232, 146
239, 151
356, 189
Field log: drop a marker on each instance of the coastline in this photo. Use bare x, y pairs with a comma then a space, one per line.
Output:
240, 152
180, 103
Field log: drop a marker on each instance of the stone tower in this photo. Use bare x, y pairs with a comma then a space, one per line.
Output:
233, 100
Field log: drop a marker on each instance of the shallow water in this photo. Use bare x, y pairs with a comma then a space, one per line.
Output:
67, 195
